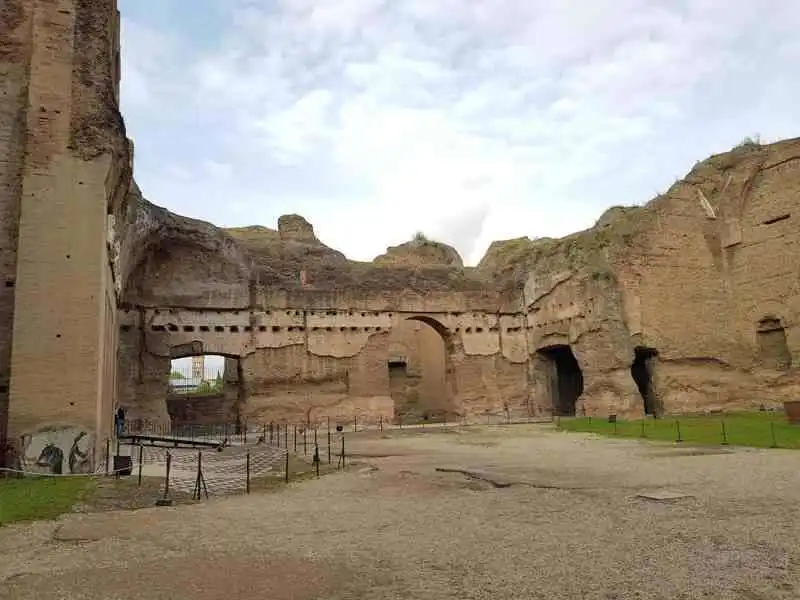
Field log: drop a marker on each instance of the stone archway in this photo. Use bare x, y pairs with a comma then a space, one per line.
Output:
205, 390
421, 373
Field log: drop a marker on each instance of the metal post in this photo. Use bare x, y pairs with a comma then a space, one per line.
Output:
295, 439
724, 434
343, 451
774, 439
247, 471
108, 455
305, 443
166, 479
380, 422
355, 423
286, 469
141, 461
329, 440
678, 426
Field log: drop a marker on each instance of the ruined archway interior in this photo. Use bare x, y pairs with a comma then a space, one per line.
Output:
205, 390
642, 371
566, 379
418, 372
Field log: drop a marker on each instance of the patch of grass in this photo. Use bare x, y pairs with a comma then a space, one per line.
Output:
755, 429
41, 498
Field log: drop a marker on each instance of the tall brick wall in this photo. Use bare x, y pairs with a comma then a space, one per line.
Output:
76, 168
15, 49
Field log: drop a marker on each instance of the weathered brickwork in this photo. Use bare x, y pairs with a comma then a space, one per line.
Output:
687, 304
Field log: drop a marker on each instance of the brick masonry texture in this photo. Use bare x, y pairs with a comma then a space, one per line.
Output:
101, 289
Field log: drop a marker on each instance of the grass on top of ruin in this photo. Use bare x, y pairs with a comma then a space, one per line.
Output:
754, 429
34, 498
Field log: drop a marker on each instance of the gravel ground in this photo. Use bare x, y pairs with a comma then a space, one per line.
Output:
566, 523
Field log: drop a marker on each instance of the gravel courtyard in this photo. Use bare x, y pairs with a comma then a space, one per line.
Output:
541, 514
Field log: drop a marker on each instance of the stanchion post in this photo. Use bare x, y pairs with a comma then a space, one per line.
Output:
724, 433
316, 458
247, 472
774, 438
295, 438
329, 440
343, 451
355, 424
286, 468
165, 499
679, 439
108, 455
305, 442
141, 462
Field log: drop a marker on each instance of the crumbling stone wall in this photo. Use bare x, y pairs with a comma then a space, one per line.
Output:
704, 276
703, 280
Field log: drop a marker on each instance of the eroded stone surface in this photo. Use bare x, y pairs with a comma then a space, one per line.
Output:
697, 290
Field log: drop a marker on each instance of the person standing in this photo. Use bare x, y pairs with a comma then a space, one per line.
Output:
119, 421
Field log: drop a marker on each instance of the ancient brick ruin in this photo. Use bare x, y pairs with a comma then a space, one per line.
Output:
689, 303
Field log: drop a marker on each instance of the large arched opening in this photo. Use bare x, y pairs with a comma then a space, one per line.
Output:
420, 371
565, 379
205, 393
643, 374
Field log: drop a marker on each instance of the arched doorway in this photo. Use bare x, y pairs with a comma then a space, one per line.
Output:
565, 384
420, 371
643, 371
205, 391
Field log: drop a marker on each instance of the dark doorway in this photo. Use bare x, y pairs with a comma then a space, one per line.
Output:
566, 379
773, 348
642, 373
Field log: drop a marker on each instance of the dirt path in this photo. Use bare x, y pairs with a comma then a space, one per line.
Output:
567, 523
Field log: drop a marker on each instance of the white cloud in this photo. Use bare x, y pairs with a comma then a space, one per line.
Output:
469, 120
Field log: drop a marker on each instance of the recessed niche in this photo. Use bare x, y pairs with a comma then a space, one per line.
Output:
234, 329
205, 328
188, 328
219, 328
276, 328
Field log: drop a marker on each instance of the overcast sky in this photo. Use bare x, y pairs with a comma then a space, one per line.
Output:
468, 120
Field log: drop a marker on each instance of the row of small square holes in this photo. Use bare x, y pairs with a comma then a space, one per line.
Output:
276, 328
329, 313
